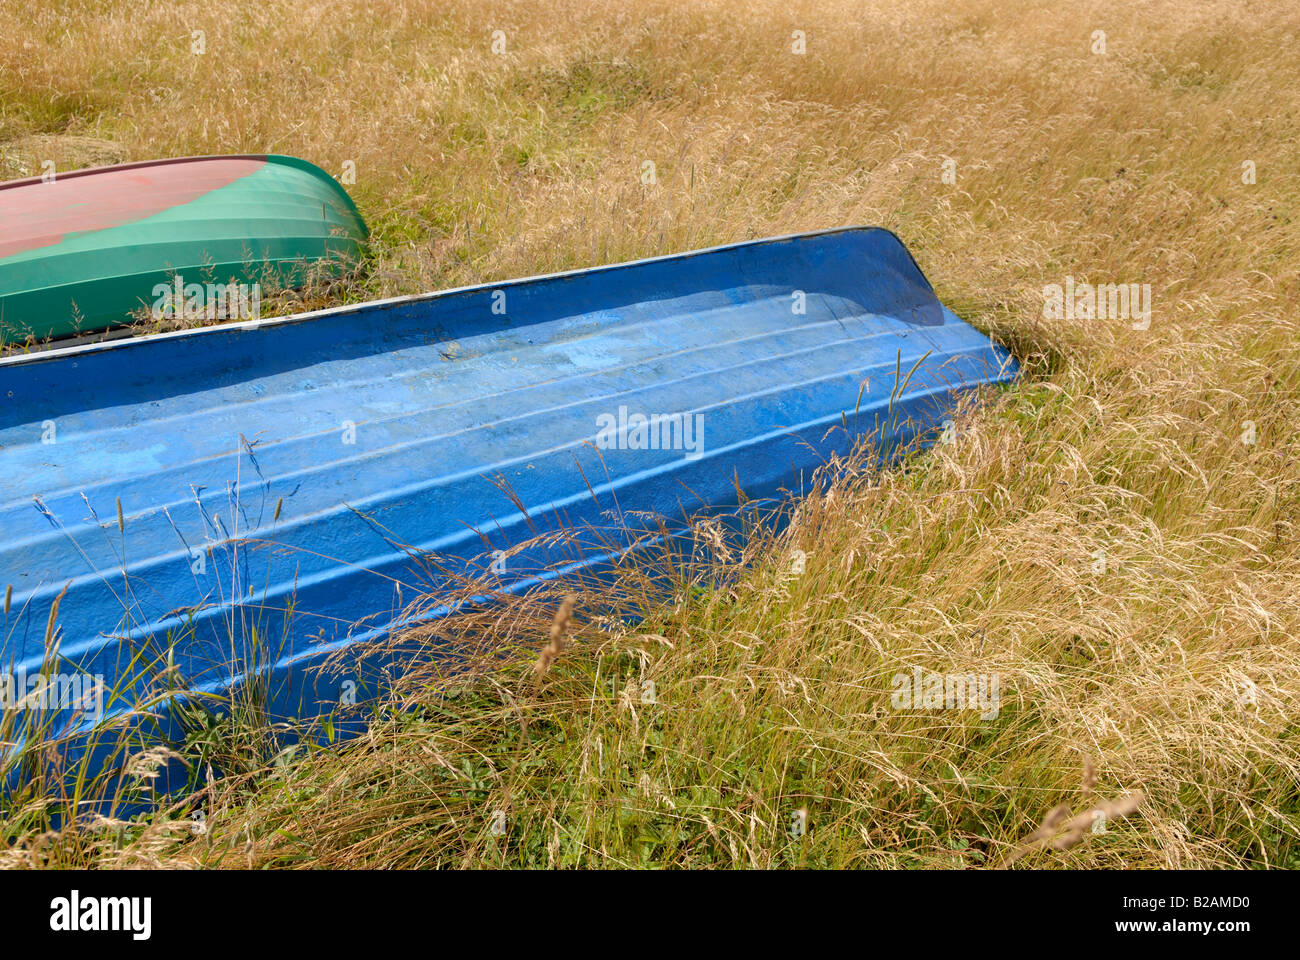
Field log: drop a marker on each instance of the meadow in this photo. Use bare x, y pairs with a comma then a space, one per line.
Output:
1116, 538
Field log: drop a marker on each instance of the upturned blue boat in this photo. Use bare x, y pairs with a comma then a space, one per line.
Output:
196, 499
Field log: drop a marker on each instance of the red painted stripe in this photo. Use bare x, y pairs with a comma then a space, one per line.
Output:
36, 214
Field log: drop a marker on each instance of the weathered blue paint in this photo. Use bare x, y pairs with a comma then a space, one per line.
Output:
399, 422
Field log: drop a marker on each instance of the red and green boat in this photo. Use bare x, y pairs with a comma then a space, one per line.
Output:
84, 251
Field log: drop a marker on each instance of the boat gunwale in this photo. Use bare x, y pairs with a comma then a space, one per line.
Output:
81, 349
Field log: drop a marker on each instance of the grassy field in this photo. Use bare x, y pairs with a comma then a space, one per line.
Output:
1116, 539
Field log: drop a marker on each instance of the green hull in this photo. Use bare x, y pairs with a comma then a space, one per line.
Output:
94, 248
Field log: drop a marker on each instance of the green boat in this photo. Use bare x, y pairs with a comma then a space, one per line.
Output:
185, 239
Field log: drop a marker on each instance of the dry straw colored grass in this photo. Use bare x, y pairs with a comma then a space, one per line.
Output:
1162, 689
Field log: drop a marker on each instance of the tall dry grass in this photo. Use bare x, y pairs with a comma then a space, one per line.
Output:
1103, 538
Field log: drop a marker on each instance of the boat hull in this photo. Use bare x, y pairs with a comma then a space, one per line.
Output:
288, 485
90, 249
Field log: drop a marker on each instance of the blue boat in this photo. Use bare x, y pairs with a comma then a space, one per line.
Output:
193, 500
